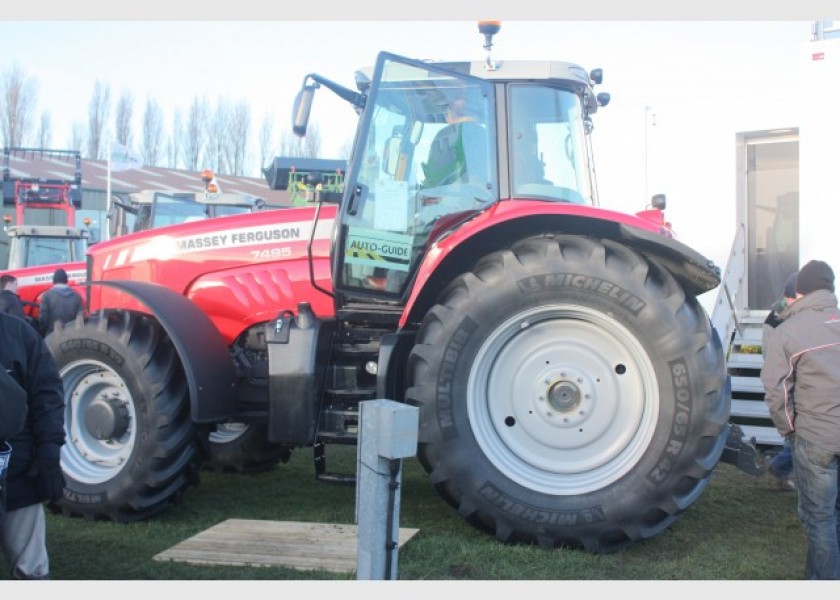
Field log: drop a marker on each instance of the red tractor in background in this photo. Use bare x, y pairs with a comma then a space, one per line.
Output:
571, 389
36, 247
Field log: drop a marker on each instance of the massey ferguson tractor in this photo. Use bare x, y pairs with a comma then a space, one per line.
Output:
571, 390
37, 249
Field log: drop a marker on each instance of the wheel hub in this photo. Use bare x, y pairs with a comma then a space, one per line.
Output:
563, 396
107, 418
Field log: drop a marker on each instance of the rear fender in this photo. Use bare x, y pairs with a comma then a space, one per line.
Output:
454, 253
696, 273
209, 368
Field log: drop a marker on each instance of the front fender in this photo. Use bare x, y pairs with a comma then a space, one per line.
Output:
209, 368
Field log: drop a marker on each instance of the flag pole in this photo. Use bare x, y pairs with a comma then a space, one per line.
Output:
108, 194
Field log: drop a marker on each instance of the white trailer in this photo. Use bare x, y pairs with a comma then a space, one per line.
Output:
788, 183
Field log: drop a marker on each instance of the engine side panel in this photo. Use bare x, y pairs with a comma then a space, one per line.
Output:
240, 270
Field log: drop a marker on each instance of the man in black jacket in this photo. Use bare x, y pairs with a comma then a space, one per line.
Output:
59, 303
34, 471
12, 418
12, 406
10, 303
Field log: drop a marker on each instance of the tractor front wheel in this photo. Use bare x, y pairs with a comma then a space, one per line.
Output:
131, 447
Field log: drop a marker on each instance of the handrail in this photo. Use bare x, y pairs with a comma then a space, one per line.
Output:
731, 292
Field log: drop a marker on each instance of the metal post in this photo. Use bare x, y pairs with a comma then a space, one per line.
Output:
387, 434
647, 195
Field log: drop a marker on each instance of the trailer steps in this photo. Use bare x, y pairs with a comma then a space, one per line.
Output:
741, 331
744, 363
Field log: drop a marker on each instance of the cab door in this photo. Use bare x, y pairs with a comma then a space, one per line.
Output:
394, 197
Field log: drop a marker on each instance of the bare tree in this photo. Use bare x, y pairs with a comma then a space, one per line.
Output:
153, 131
122, 121
217, 133
195, 140
308, 146
346, 149
45, 131
98, 110
237, 138
290, 144
312, 141
77, 136
174, 147
17, 105
266, 141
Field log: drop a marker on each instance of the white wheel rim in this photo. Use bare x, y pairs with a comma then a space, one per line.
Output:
85, 457
563, 399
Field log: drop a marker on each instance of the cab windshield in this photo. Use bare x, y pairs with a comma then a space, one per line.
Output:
548, 146
170, 210
37, 251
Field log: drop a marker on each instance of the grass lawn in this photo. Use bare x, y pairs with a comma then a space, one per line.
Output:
741, 528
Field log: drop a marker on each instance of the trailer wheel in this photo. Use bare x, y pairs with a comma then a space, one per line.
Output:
570, 394
241, 448
131, 448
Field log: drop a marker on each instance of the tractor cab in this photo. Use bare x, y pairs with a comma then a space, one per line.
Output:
440, 143
36, 245
37, 236
150, 209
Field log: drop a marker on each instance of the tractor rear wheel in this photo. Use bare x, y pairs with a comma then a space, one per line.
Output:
131, 447
570, 394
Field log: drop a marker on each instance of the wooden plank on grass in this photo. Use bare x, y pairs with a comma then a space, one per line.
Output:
291, 544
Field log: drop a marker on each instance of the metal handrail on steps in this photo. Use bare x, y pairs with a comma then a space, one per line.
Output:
731, 292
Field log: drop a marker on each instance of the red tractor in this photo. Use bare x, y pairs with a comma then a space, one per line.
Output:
37, 246
571, 389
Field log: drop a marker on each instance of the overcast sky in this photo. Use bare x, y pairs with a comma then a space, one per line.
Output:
702, 81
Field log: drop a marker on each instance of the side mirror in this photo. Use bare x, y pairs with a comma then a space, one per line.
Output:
301, 109
657, 201
391, 155
416, 132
